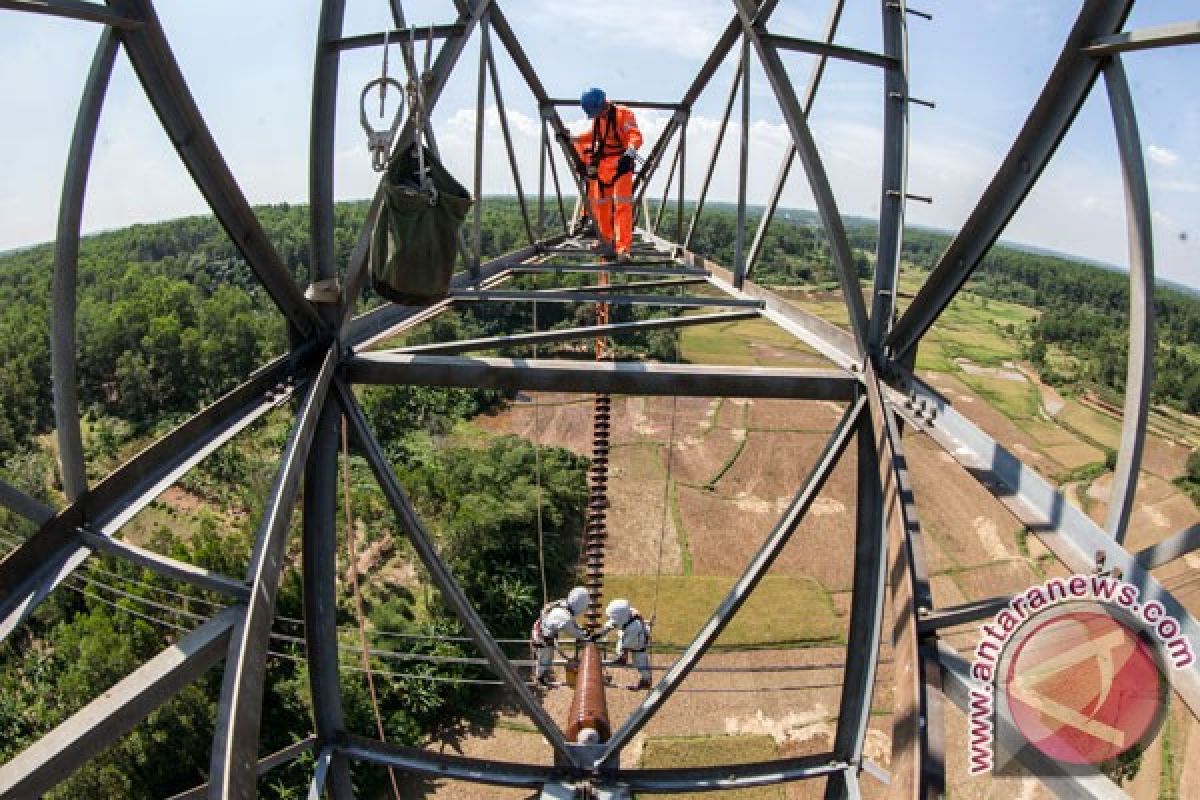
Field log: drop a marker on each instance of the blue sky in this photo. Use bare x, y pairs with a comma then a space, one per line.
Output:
250, 66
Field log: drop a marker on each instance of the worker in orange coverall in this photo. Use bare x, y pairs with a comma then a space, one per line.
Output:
609, 152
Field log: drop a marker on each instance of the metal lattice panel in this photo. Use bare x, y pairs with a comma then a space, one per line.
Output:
874, 378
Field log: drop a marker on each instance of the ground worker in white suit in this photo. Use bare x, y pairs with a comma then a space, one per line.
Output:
634, 637
556, 618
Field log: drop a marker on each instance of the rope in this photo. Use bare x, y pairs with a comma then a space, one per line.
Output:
662, 529
358, 602
537, 468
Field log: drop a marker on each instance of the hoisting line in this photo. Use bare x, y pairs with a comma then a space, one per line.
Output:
358, 602
537, 468
662, 530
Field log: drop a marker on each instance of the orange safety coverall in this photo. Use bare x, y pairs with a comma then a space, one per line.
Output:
613, 131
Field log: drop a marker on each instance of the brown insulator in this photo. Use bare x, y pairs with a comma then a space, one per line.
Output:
589, 706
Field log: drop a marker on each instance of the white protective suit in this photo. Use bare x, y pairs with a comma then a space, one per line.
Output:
634, 639
555, 619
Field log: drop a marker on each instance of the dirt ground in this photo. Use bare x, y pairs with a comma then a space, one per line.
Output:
735, 466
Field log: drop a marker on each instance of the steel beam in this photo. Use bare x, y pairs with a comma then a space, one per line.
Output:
265, 765
716, 152
66, 264
426, 762
829, 50
1052, 774
1159, 36
443, 578
51, 759
667, 283
658, 105
235, 740
973, 611
907, 595
866, 611
316, 789
319, 552
739, 237
398, 36
785, 167
894, 177
727, 777
574, 296
323, 119
506, 773
569, 334
498, 95
911, 596
168, 567
1070, 534
74, 9
659, 269
28, 507
29, 573
1067, 87
1139, 377
1166, 551
741, 590
165, 87
619, 377
831, 219
320, 570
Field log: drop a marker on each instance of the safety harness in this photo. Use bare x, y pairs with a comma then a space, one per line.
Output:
538, 638
605, 144
636, 616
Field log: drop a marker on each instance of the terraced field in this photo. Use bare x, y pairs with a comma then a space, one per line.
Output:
735, 464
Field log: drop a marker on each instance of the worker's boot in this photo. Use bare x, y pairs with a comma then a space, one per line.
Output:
546, 680
642, 684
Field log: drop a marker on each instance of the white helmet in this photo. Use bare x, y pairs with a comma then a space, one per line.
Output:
619, 611
577, 600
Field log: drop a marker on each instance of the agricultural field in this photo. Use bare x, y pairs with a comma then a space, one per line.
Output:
697, 485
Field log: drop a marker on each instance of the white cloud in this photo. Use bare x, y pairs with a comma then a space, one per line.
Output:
1162, 155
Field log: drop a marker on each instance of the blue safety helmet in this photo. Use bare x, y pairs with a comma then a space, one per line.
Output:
592, 101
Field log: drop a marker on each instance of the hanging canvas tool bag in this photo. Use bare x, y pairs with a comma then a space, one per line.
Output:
414, 245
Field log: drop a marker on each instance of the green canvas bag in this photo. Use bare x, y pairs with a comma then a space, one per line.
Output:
414, 246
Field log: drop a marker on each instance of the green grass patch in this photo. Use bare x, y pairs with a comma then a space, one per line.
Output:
1017, 400
783, 610
1094, 427
705, 751
685, 550
734, 343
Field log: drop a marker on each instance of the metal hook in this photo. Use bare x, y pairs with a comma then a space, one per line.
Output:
379, 142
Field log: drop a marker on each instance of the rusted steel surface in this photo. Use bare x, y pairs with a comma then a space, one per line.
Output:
589, 707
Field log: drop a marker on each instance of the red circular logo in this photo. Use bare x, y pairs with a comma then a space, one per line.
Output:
1084, 687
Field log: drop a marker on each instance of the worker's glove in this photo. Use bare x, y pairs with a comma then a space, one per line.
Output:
621, 660
627, 162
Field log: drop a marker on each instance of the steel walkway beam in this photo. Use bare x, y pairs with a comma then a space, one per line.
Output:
1070, 534
633, 378
573, 296
570, 334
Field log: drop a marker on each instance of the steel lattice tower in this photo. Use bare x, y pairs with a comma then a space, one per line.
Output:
873, 378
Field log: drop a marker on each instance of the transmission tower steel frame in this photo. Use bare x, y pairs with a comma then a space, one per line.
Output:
874, 356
